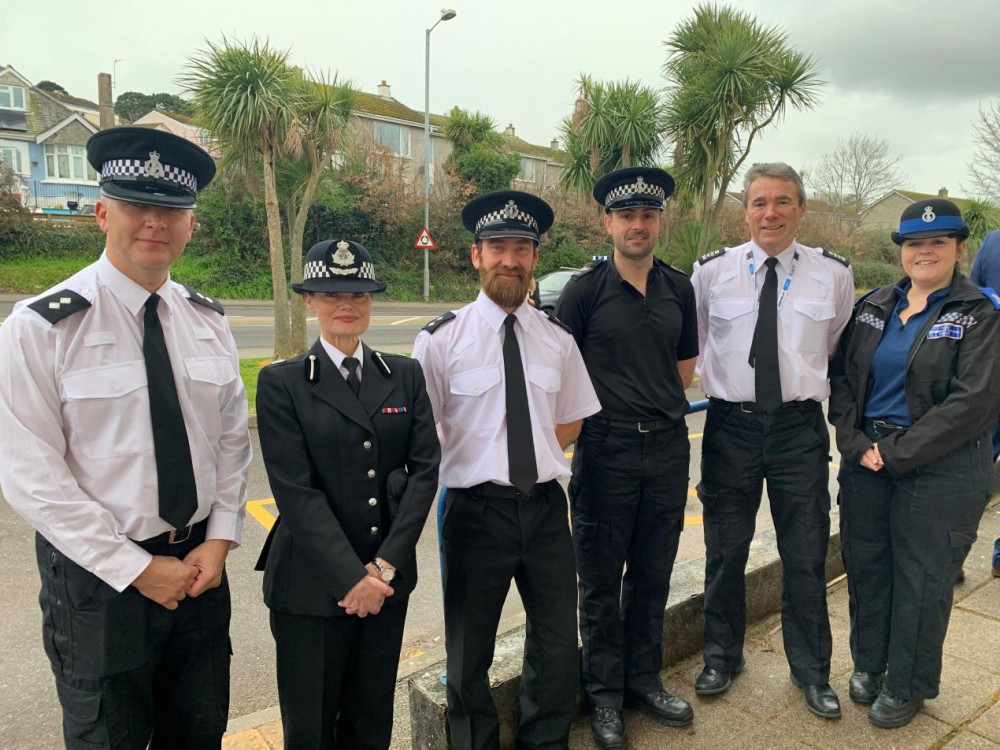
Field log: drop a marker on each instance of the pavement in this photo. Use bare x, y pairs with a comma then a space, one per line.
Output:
764, 710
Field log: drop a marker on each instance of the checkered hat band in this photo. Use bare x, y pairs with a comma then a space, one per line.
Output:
316, 269
367, 271
504, 215
630, 189
135, 168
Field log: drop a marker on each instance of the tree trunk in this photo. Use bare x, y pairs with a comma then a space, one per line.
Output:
295, 250
706, 204
282, 332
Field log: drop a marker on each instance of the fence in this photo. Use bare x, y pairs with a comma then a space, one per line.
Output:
37, 194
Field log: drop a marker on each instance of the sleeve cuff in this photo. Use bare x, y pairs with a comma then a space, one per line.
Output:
124, 566
225, 524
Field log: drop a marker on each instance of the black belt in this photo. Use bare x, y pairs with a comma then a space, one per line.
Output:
177, 536
876, 429
661, 424
505, 492
750, 407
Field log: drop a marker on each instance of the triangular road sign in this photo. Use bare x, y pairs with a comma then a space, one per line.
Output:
424, 240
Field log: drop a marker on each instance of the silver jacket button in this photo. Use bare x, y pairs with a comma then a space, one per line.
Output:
371, 473
372, 501
374, 529
367, 445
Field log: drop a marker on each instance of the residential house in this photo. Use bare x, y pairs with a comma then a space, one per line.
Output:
883, 214
178, 124
541, 166
43, 139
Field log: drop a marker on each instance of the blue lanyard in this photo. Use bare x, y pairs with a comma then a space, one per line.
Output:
784, 287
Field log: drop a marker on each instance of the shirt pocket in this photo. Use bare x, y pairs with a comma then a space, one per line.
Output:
545, 383
107, 408
477, 400
811, 324
208, 386
731, 322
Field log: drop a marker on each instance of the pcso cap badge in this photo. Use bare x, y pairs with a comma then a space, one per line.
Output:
507, 213
634, 187
338, 266
141, 165
935, 217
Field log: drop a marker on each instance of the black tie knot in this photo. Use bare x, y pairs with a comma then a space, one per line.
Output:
151, 304
509, 321
771, 263
351, 365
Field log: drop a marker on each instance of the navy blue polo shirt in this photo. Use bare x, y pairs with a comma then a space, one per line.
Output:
887, 399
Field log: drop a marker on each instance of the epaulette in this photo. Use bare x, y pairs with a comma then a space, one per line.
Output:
711, 256
991, 295
558, 322
591, 267
865, 296
438, 322
381, 362
200, 299
59, 305
839, 258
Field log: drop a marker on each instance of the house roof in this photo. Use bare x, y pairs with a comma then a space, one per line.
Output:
178, 116
74, 117
373, 104
73, 101
915, 196
520, 146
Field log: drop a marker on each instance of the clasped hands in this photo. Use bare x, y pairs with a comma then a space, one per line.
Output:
368, 595
169, 580
872, 459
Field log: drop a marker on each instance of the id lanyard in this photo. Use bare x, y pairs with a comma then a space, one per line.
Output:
751, 268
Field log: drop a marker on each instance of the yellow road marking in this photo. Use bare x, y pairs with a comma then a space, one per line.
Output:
256, 509
692, 520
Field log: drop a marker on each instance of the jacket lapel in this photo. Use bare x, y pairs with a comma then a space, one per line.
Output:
375, 384
332, 388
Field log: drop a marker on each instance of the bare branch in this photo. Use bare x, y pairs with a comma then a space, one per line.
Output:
984, 169
857, 173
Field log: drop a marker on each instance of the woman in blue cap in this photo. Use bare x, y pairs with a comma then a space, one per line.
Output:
915, 386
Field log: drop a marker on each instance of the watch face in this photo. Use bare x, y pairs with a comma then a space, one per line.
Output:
387, 575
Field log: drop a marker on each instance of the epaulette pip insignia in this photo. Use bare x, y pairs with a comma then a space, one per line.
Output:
200, 299
839, 258
438, 322
992, 296
711, 256
59, 305
558, 322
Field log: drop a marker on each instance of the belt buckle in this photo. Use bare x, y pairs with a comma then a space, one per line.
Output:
744, 409
639, 426
173, 537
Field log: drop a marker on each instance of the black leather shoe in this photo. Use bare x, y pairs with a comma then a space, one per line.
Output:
863, 687
820, 699
665, 707
889, 712
712, 681
608, 726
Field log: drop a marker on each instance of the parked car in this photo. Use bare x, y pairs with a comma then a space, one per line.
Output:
550, 286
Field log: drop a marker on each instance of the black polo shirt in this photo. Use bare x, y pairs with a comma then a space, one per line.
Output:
631, 344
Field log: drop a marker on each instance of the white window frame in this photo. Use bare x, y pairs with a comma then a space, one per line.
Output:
73, 154
401, 147
23, 167
523, 174
11, 90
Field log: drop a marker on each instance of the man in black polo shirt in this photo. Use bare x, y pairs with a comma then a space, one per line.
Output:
635, 322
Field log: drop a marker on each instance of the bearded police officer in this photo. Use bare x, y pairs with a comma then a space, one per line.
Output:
634, 319
770, 313
123, 441
509, 390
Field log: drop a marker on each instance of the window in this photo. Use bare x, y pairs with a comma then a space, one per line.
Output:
11, 97
15, 156
396, 138
527, 173
68, 163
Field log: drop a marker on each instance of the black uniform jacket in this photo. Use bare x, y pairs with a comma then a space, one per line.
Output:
327, 453
952, 377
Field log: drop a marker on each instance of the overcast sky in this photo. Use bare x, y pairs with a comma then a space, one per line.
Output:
911, 71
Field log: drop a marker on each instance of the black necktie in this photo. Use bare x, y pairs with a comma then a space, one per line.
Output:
351, 365
764, 349
174, 473
520, 445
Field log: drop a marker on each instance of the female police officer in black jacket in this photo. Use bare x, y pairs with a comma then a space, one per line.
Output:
337, 427
915, 387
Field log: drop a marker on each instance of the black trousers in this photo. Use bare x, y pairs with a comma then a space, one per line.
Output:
487, 541
627, 495
130, 673
903, 542
337, 678
790, 449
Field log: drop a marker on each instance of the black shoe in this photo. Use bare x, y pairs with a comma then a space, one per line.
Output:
666, 708
889, 712
863, 687
608, 726
820, 699
712, 681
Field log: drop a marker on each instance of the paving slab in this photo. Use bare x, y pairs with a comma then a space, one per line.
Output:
969, 741
988, 724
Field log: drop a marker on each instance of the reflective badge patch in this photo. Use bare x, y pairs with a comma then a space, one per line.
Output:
873, 320
945, 331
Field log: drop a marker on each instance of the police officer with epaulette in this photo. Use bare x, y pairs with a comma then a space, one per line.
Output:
509, 391
634, 318
770, 313
123, 441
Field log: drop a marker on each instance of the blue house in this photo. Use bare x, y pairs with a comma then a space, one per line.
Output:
43, 139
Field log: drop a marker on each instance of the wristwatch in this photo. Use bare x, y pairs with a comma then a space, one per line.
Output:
386, 574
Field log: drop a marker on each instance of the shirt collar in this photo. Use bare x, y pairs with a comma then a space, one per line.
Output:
338, 357
494, 315
784, 257
901, 290
132, 295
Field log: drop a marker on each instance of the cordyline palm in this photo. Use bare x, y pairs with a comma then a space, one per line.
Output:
245, 95
731, 78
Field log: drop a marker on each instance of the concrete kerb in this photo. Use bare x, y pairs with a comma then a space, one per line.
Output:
682, 628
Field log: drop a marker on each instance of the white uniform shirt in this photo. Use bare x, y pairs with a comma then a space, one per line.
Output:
76, 442
811, 317
337, 357
463, 365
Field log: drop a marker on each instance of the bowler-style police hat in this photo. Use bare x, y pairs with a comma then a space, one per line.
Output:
634, 187
338, 266
141, 165
507, 213
936, 217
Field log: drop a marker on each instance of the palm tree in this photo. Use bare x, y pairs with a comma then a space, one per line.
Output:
245, 95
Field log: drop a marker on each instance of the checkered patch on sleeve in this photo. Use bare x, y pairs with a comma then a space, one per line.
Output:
872, 320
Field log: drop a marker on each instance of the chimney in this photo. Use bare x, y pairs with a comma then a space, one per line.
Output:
554, 143
383, 90
510, 129
105, 104
943, 193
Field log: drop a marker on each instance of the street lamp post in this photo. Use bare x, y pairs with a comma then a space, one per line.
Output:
446, 15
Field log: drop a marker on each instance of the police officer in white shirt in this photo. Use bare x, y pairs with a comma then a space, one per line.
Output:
509, 391
124, 443
770, 313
